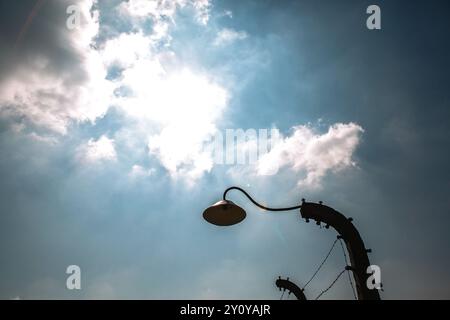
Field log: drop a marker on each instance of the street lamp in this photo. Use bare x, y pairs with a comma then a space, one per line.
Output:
227, 213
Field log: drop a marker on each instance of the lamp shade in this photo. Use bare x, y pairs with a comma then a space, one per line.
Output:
224, 213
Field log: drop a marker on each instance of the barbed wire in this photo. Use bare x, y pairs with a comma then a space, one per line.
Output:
331, 285
347, 262
348, 271
320, 266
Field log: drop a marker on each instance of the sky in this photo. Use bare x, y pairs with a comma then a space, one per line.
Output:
107, 124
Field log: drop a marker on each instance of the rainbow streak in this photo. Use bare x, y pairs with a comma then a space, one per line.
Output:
39, 4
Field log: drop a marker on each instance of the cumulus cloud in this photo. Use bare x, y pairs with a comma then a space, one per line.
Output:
227, 36
162, 13
44, 139
311, 153
60, 80
190, 105
97, 150
65, 80
127, 48
52, 92
159, 10
138, 171
202, 8
180, 106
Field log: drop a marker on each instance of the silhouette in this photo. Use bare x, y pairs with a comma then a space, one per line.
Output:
227, 213
285, 284
359, 261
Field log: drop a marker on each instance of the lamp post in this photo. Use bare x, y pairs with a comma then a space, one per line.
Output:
227, 213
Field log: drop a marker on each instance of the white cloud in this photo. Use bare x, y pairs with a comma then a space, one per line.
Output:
313, 154
179, 106
162, 13
142, 8
44, 139
227, 36
138, 171
126, 49
202, 8
97, 150
51, 98
190, 105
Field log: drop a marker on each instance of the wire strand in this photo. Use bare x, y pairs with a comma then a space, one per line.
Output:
348, 271
331, 285
321, 265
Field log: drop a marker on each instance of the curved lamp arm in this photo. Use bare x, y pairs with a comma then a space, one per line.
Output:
355, 246
256, 203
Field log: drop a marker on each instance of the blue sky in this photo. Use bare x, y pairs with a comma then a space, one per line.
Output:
103, 130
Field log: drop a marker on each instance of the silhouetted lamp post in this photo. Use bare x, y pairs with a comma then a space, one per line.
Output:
227, 213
